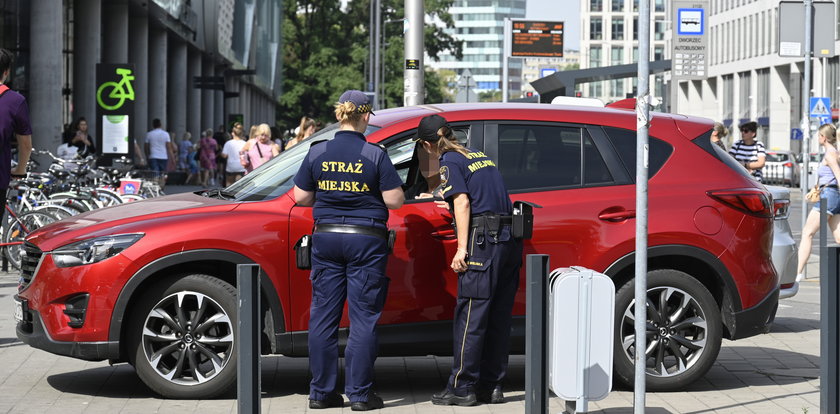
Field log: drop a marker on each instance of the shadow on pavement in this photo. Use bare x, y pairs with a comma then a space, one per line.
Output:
795, 325
118, 381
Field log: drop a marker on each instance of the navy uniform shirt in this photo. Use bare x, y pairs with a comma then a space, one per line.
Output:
477, 176
348, 176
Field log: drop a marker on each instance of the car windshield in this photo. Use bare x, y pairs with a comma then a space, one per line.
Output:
777, 157
276, 177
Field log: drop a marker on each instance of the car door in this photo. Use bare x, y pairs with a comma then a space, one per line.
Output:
423, 287
573, 173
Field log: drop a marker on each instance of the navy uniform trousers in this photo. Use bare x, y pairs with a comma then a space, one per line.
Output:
486, 293
351, 267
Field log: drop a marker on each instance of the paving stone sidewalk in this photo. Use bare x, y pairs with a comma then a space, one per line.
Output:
773, 373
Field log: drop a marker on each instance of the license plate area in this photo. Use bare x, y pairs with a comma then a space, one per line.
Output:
21, 309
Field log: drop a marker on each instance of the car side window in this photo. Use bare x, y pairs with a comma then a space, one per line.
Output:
538, 156
413, 167
624, 141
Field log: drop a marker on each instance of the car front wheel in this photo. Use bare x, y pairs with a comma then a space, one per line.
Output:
183, 338
683, 331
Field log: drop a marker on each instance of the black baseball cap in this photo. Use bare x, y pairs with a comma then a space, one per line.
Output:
359, 99
429, 126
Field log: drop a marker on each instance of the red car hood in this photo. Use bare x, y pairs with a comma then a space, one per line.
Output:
107, 220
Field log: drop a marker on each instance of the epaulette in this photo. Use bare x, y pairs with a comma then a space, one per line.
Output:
314, 143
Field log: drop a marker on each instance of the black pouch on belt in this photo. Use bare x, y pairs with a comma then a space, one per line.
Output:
392, 238
492, 225
303, 252
522, 226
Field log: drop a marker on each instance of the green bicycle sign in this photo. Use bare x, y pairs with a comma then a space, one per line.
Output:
112, 95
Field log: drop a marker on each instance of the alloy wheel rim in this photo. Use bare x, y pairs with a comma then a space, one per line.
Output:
676, 332
188, 338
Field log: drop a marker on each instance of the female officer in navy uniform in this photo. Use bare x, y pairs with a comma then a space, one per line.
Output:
487, 260
351, 184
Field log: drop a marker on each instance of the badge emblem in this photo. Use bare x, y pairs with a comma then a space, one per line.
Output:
444, 176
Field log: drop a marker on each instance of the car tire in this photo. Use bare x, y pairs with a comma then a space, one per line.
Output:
182, 338
683, 348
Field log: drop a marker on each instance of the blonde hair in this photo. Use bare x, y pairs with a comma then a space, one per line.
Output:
448, 142
261, 129
721, 130
345, 113
252, 133
829, 132
305, 123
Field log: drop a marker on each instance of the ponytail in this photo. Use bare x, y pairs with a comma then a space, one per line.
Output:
448, 142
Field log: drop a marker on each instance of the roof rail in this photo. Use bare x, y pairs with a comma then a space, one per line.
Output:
571, 100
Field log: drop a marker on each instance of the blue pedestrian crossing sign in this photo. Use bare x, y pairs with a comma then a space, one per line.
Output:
821, 107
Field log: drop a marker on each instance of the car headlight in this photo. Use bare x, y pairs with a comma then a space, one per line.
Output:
93, 250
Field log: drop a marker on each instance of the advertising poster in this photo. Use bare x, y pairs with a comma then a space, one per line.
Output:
114, 134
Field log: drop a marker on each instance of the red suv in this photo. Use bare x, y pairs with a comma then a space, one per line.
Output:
152, 283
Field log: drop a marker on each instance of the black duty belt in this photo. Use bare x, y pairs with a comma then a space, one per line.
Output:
832, 186
352, 229
481, 221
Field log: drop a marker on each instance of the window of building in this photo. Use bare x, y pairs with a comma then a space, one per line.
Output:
596, 5
617, 55
636, 6
595, 56
744, 95
727, 91
617, 5
763, 83
617, 88
596, 29
659, 53
635, 54
659, 5
659, 29
617, 28
596, 89
636, 28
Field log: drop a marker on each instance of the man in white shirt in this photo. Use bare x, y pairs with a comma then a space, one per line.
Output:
158, 147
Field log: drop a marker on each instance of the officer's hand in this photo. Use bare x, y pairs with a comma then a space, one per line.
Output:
459, 263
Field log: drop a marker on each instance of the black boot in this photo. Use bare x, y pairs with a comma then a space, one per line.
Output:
447, 397
333, 399
491, 396
374, 402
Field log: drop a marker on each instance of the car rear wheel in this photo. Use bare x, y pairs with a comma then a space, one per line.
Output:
183, 335
683, 331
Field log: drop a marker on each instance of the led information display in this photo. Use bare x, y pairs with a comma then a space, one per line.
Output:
536, 39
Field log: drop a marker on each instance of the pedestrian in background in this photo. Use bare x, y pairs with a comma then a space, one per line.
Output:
827, 180
82, 139
749, 151
14, 124
233, 165
158, 148
193, 170
349, 253
184, 147
259, 149
303, 131
487, 261
719, 133
207, 158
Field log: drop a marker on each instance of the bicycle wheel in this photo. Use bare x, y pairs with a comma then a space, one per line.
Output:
60, 212
107, 197
21, 227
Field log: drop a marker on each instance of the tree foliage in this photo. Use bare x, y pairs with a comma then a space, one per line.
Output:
326, 51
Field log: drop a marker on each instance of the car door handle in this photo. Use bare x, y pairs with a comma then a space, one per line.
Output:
618, 215
448, 234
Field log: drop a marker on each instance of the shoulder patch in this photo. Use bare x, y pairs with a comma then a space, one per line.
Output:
444, 176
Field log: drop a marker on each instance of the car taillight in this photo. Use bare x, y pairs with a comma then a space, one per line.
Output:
788, 164
748, 200
781, 209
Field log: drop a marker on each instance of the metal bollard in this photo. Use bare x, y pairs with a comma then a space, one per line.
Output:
536, 334
248, 339
830, 332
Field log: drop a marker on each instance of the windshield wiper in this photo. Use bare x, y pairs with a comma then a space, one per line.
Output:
219, 193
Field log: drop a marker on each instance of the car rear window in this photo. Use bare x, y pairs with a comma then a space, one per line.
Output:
624, 141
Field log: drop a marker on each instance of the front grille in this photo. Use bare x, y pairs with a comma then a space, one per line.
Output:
29, 259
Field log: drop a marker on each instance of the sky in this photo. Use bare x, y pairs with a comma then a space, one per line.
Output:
567, 11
